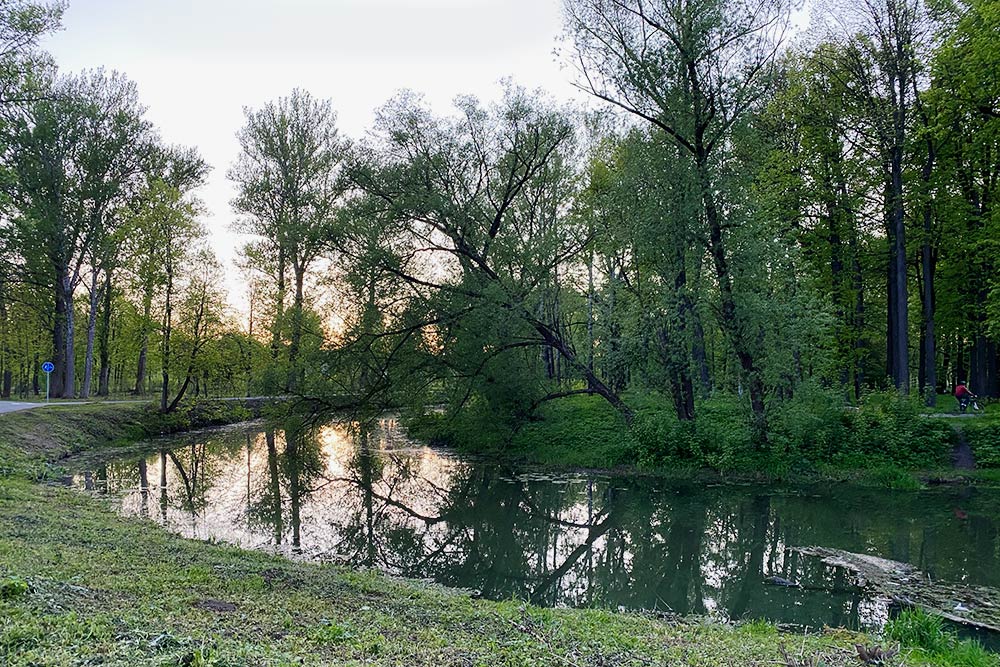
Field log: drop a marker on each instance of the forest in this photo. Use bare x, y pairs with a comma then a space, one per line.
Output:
745, 211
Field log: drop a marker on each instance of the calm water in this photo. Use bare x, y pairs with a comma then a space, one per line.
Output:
372, 498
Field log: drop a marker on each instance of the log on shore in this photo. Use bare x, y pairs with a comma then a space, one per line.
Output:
972, 606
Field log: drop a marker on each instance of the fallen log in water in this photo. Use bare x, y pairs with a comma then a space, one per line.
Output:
973, 606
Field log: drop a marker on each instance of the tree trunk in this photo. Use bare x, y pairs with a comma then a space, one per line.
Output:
730, 320
901, 348
698, 352
594, 383
590, 305
69, 378
104, 340
167, 322
88, 359
57, 378
928, 351
674, 352
5, 356
295, 342
890, 287
140, 370
279, 310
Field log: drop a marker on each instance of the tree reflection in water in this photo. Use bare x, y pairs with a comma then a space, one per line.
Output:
365, 496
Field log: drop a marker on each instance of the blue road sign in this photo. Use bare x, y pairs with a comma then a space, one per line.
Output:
48, 367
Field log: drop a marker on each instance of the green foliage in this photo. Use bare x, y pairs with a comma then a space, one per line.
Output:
328, 632
887, 436
886, 432
918, 629
892, 477
759, 628
889, 428
984, 440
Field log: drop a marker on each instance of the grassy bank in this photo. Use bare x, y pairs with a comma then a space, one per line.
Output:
32, 442
80, 585
885, 441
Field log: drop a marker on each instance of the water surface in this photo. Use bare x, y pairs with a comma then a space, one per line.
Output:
372, 498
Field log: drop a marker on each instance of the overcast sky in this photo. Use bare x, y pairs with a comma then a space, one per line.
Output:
199, 62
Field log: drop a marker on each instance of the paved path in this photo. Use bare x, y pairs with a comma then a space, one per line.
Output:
15, 406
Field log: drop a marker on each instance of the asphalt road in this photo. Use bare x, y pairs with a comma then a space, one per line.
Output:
14, 406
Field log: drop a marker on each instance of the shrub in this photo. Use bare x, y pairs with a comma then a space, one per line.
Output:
890, 429
660, 438
891, 477
984, 440
814, 427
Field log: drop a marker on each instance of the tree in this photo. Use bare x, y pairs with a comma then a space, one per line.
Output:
885, 41
643, 205
286, 179
200, 322
478, 200
965, 108
72, 156
168, 230
22, 66
174, 173
694, 70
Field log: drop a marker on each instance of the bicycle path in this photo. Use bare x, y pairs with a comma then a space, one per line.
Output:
16, 406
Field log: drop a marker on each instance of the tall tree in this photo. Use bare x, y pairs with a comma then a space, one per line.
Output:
287, 189
177, 171
474, 195
694, 70
72, 155
886, 40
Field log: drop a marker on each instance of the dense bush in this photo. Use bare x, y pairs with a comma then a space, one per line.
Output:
984, 439
891, 429
886, 433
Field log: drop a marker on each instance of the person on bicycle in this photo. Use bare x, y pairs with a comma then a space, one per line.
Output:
963, 395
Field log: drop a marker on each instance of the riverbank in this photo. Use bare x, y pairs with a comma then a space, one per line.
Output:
81, 585
886, 441
32, 442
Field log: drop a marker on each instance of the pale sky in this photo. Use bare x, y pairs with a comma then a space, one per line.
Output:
197, 63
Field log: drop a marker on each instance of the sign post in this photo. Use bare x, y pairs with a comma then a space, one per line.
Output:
47, 368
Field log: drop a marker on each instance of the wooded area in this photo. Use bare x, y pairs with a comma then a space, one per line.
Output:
741, 213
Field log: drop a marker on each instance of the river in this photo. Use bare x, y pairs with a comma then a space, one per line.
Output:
372, 498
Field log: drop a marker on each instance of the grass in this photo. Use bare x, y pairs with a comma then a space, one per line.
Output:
80, 585
32, 442
928, 641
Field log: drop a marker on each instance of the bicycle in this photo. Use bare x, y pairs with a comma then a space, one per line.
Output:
970, 402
